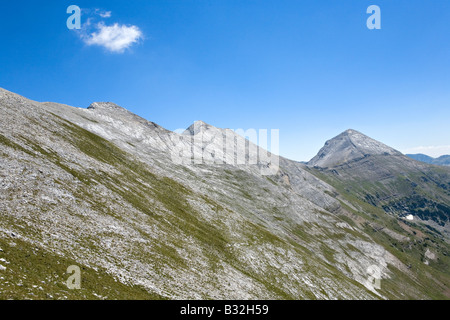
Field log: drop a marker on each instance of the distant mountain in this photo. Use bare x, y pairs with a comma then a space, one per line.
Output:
349, 146
441, 161
385, 178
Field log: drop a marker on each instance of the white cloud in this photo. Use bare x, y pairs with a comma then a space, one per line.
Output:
96, 12
115, 38
432, 151
105, 14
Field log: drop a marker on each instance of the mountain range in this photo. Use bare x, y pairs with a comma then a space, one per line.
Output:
440, 161
126, 201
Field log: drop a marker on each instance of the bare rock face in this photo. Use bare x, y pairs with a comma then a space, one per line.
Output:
101, 188
348, 146
104, 106
198, 127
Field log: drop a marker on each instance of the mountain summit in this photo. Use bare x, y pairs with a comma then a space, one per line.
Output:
348, 146
104, 106
197, 127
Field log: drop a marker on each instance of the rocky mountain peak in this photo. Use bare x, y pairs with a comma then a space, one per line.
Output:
347, 146
197, 127
104, 106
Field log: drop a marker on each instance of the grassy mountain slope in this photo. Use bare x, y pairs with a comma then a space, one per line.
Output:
142, 227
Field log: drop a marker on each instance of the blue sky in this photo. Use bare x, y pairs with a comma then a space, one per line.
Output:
311, 69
